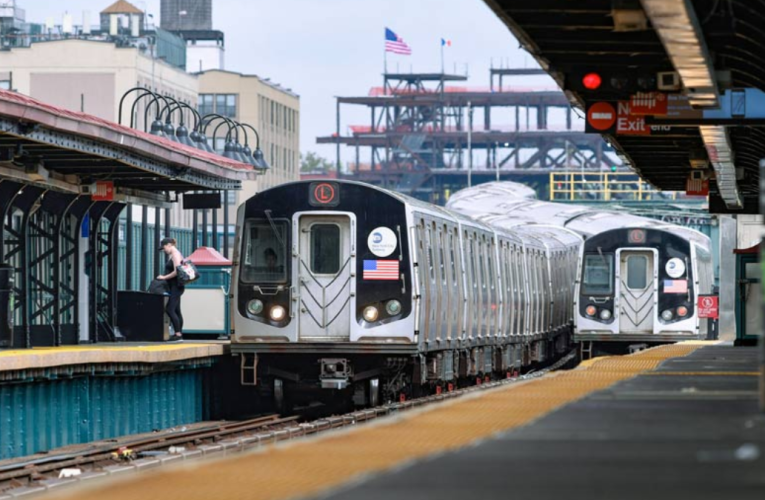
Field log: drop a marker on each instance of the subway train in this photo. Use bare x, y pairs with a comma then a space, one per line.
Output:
351, 290
637, 279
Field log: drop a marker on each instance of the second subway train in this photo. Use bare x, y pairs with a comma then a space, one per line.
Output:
638, 278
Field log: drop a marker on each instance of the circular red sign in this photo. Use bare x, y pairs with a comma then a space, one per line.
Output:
601, 116
324, 193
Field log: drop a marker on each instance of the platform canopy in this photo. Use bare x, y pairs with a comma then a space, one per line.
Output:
70, 151
712, 47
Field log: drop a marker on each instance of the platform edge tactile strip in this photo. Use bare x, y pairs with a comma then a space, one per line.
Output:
314, 465
46, 357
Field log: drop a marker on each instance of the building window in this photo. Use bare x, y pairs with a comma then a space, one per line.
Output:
206, 104
225, 104
231, 197
5, 84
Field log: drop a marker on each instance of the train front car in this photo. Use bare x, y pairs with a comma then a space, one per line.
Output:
640, 286
322, 295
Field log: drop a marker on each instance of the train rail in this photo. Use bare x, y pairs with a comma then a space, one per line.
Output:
136, 453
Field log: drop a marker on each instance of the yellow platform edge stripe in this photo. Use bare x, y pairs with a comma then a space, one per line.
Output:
46, 357
315, 465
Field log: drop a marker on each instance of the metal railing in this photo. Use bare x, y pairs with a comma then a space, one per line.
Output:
604, 186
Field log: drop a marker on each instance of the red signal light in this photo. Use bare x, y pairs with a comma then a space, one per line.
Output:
592, 81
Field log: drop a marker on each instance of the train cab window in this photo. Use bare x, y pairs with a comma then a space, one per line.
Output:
598, 274
325, 249
637, 265
265, 255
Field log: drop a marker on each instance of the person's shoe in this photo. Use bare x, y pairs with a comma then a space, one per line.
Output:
176, 338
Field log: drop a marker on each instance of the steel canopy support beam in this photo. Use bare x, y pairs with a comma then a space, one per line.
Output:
678, 28
720, 154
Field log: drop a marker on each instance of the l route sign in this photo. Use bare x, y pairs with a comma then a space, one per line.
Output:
709, 306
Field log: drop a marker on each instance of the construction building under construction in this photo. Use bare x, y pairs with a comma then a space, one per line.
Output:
430, 135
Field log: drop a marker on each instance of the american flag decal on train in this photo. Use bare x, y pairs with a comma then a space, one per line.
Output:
380, 270
675, 286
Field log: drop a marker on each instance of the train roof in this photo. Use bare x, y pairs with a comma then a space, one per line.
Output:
499, 199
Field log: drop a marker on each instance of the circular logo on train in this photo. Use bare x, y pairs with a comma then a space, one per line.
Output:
382, 241
675, 267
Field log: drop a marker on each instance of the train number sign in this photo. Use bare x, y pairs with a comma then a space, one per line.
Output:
709, 306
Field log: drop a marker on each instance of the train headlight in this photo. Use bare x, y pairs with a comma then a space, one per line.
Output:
393, 307
370, 314
682, 311
255, 307
590, 310
277, 313
605, 314
667, 315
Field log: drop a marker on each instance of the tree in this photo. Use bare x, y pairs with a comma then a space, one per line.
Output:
312, 162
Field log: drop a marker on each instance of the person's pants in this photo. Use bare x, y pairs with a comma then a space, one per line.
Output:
173, 309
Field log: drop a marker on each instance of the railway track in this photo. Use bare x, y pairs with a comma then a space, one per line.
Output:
219, 438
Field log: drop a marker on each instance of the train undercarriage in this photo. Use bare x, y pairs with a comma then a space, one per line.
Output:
336, 379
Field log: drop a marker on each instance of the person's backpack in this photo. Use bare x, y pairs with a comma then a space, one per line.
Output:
159, 287
187, 272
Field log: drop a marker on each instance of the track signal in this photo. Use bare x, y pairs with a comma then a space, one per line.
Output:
592, 81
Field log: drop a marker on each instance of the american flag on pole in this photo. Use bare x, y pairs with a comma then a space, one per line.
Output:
380, 270
396, 44
675, 286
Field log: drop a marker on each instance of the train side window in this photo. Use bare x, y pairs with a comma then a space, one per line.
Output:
598, 274
325, 248
637, 266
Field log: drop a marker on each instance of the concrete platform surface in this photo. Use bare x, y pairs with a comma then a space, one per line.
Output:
46, 357
688, 430
427, 447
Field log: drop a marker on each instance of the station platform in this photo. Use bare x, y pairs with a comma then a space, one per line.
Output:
59, 396
676, 421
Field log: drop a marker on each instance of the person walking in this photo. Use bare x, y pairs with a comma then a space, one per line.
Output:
173, 308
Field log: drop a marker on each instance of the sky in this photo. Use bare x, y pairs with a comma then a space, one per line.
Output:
326, 48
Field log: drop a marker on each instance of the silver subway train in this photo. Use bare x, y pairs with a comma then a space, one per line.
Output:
349, 287
638, 279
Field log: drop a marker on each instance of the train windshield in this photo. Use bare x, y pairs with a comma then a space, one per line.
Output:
598, 274
265, 255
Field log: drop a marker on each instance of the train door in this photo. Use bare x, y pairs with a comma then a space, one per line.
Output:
325, 263
637, 291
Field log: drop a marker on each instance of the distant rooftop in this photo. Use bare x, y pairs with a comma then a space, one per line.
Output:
265, 81
122, 7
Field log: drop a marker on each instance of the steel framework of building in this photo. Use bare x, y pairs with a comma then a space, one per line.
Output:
422, 128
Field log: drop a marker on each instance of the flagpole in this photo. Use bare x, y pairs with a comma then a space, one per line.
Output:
442, 56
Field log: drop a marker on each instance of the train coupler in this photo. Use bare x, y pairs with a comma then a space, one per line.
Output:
335, 373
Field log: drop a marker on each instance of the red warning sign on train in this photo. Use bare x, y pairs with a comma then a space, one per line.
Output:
601, 116
709, 306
